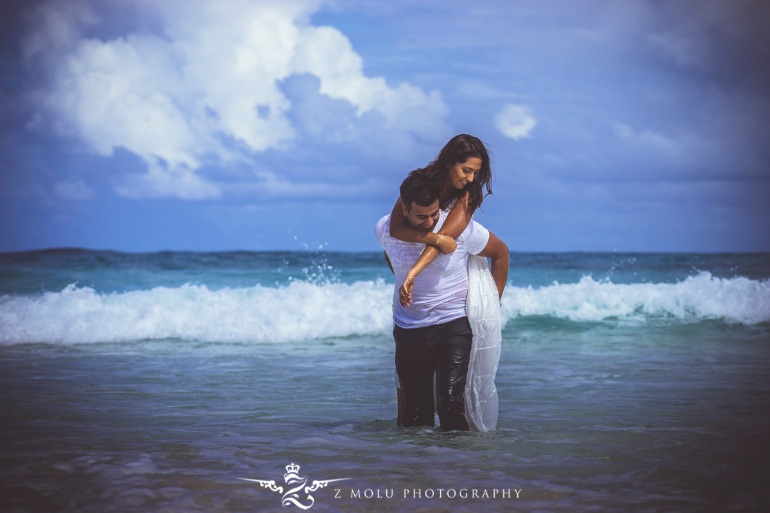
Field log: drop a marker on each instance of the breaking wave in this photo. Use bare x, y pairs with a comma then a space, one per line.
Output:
303, 310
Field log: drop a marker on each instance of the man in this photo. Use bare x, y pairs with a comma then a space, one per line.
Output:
433, 336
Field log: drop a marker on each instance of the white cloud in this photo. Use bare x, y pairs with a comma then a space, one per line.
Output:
515, 121
204, 89
326, 53
162, 180
121, 94
648, 139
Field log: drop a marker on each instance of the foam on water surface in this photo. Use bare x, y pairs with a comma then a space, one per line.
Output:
304, 310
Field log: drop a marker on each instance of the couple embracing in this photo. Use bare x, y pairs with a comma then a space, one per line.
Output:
446, 308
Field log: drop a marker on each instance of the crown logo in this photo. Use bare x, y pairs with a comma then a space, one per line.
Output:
292, 474
296, 487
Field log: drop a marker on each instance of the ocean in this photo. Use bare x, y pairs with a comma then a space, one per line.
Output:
188, 382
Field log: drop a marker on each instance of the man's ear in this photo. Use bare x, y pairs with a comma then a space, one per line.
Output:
405, 209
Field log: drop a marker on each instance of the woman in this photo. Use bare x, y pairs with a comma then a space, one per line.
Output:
463, 172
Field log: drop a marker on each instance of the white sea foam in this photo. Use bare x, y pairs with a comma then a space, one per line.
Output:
303, 311
700, 297
299, 311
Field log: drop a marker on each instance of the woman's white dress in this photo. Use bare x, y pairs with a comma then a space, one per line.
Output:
483, 308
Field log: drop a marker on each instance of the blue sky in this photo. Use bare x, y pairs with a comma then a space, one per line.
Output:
622, 125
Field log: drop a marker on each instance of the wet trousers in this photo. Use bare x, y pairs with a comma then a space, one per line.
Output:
441, 351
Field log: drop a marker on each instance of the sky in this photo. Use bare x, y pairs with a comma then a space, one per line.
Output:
210, 125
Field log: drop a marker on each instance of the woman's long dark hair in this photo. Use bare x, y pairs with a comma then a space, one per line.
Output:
459, 149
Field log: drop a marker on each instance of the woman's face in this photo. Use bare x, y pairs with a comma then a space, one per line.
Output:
463, 173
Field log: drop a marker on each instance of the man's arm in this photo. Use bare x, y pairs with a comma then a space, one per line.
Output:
498, 252
387, 260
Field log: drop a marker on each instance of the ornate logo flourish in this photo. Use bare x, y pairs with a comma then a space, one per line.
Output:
296, 486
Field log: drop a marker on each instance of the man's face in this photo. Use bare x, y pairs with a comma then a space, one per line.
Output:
420, 217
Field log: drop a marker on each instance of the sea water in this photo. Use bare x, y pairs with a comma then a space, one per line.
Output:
186, 382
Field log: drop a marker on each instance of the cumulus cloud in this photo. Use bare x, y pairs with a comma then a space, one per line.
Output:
326, 53
515, 121
199, 82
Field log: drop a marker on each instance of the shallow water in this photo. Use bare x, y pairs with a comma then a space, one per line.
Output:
649, 410
642, 422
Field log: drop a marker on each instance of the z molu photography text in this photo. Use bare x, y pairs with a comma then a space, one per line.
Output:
298, 489
428, 493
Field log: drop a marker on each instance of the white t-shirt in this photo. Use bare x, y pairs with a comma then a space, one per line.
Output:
440, 290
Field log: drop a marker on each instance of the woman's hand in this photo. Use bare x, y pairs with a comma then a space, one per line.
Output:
405, 291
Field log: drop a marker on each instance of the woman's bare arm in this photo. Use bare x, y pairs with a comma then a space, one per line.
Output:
401, 230
456, 222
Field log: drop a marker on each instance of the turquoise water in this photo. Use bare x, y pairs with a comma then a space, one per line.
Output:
154, 382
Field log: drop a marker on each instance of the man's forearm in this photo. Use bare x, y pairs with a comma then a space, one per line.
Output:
387, 260
499, 271
498, 252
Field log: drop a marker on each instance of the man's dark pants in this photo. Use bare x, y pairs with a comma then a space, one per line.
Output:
442, 349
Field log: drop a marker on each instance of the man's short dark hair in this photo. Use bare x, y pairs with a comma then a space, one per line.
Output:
419, 188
